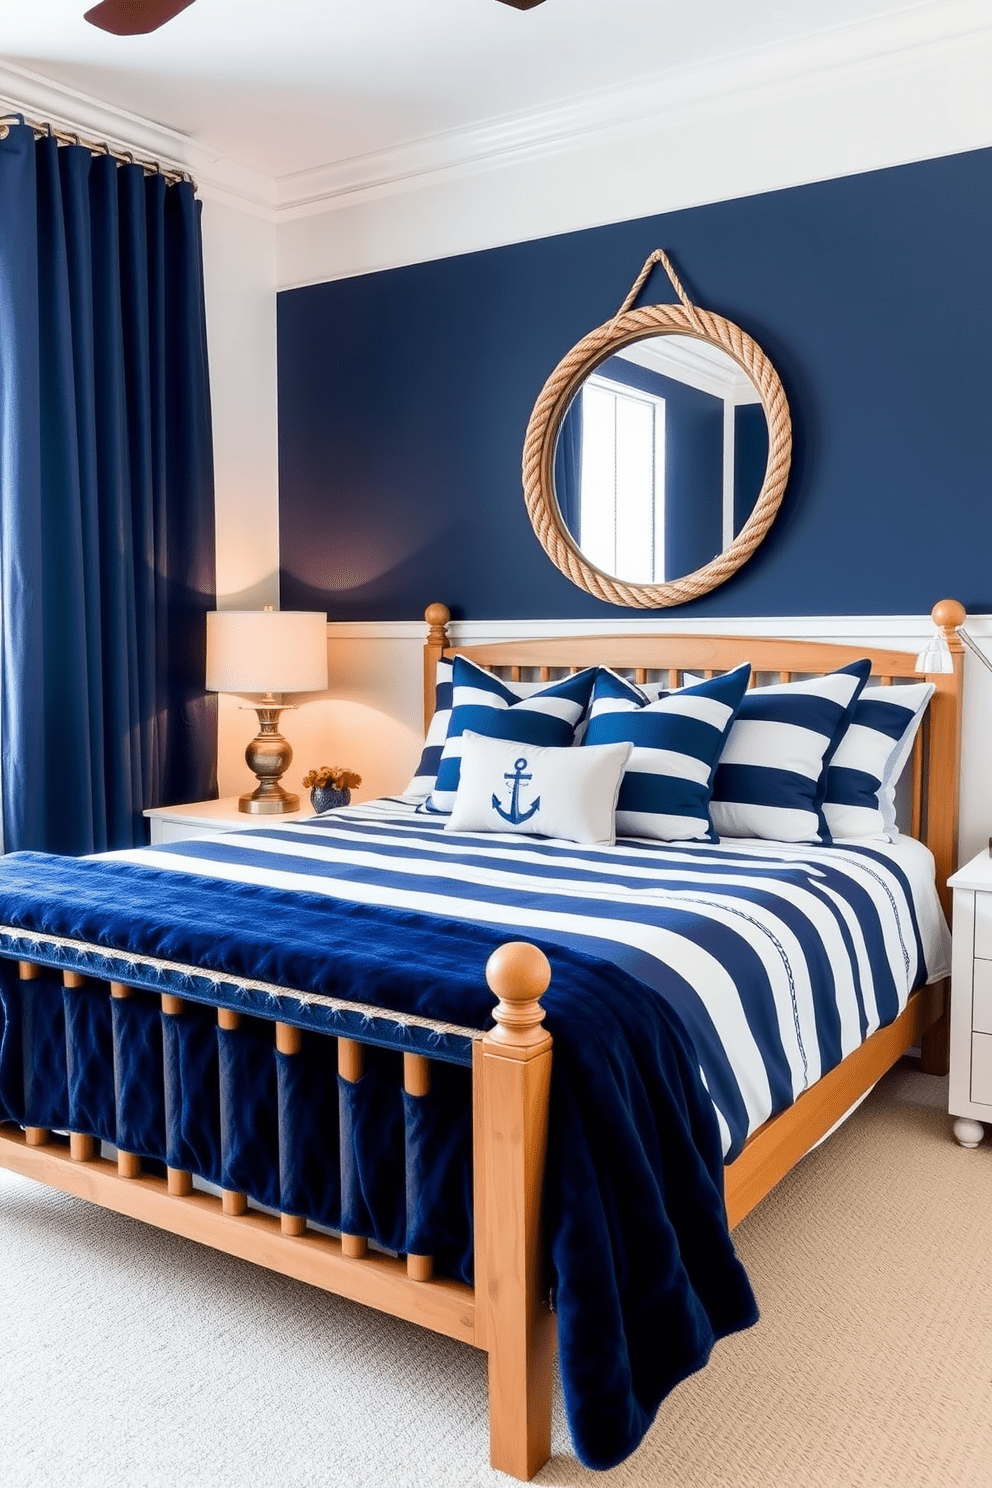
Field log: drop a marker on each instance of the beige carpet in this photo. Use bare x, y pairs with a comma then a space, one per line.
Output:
130, 1358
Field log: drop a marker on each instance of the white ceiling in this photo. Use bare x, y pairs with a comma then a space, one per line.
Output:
292, 86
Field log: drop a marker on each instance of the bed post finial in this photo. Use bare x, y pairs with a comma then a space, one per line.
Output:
519, 974
437, 617
948, 615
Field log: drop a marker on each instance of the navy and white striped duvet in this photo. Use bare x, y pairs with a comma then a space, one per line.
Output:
779, 958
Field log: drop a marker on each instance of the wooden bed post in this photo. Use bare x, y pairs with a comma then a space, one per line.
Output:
437, 617
515, 1071
943, 783
943, 787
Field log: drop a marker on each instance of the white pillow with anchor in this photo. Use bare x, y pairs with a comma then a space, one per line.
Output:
506, 786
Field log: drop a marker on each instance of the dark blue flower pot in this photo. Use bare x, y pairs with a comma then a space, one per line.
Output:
325, 798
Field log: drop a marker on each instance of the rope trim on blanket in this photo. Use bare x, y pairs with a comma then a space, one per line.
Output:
17, 944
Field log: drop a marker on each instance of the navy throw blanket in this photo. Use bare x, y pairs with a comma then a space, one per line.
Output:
644, 1274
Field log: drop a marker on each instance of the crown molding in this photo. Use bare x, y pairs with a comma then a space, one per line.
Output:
935, 32
216, 176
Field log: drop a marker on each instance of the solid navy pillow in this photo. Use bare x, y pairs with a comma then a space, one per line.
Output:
771, 779
677, 739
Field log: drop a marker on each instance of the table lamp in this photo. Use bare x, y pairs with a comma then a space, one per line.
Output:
264, 652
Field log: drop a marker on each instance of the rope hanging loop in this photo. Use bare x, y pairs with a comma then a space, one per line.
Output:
659, 256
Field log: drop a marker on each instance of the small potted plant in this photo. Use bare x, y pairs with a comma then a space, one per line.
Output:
330, 787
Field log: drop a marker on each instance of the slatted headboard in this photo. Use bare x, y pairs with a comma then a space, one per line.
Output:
936, 754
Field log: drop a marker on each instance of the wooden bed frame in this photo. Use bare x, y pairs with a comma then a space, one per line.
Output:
504, 1312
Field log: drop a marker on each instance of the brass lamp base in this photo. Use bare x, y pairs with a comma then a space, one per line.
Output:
269, 804
268, 756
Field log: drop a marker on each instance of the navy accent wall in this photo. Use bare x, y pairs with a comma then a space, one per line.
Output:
404, 398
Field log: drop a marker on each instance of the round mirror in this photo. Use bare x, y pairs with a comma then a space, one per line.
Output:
657, 455
660, 458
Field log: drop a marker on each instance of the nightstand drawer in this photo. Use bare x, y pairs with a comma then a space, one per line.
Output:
983, 926
175, 831
981, 1068
981, 1009
207, 818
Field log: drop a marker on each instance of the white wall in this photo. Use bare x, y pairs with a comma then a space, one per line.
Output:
372, 719
239, 257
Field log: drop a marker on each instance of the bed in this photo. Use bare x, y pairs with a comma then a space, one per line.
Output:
157, 1063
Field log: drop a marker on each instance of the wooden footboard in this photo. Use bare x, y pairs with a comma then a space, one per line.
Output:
503, 1313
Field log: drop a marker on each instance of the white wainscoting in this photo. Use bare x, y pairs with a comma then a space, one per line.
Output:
371, 718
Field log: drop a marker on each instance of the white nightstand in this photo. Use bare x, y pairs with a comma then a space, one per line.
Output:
205, 818
970, 1098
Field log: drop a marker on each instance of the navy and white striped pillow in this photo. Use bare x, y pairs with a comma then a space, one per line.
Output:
771, 779
677, 739
426, 772
487, 705
860, 799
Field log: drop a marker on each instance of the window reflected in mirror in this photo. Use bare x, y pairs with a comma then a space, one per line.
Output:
660, 458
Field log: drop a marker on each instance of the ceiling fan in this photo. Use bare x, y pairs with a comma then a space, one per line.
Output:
137, 17
134, 17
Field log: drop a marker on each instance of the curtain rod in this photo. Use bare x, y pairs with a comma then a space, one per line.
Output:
96, 147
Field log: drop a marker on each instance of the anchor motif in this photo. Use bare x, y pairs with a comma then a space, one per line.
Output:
516, 778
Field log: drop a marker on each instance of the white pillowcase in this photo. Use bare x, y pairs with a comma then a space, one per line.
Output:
505, 786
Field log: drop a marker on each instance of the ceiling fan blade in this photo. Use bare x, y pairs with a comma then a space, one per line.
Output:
522, 4
134, 17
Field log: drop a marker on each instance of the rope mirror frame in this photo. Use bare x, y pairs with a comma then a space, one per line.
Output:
629, 325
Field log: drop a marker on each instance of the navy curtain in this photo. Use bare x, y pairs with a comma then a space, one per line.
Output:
106, 498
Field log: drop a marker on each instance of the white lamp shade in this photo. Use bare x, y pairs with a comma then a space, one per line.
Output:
252, 651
